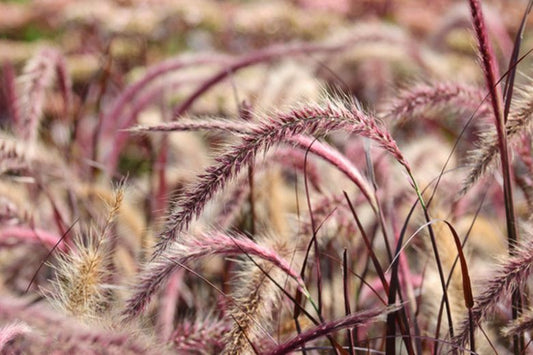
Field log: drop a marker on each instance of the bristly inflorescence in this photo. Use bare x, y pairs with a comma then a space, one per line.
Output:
57, 333
511, 276
203, 336
520, 325
184, 251
484, 158
38, 76
311, 119
259, 292
11, 331
83, 273
423, 98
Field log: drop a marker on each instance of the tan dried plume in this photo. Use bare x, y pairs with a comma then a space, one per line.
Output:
484, 159
256, 304
83, 272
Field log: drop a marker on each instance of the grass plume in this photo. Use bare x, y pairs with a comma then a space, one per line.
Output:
311, 119
83, 273
510, 277
190, 249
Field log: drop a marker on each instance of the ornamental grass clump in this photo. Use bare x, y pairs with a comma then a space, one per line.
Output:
187, 184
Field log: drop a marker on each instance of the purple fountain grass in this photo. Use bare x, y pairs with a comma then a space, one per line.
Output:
231, 205
257, 292
520, 325
11, 331
38, 76
108, 343
190, 249
491, 74
288, 157
421, 98
281, 127
272, 252
80, 288
484, 158
510, 277
62, 335
83, 272
204, 336
322, 150
351, 321
335, 158
192, 124
489, 64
